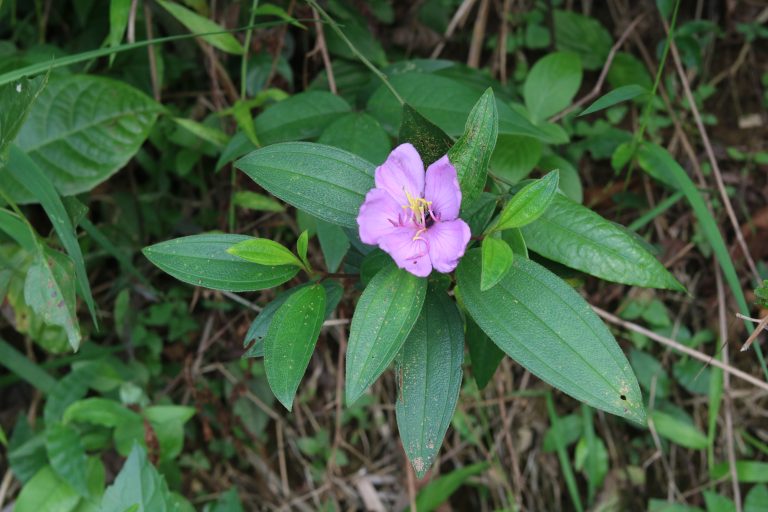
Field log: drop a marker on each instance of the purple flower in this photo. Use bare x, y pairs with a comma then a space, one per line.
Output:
415, 218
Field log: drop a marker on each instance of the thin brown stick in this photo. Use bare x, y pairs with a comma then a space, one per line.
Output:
281, 460
603, 74
761, 325
132, 21
460, 14
680, 348
723, 324
411, 485
505, 10
151, 53
478, 35
342, 336
711, 155
321, 47
5, 485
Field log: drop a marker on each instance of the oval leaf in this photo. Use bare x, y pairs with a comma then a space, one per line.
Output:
81, 130
679, 431
358, 133
264, 252
326, 182
574, 235
551, 84
497, 259
429, 140
472, 152
385, 315
200, 25
302, 116
429, 377
67, 456
203, 260
544, 325
614, 97
529, 203
291, 339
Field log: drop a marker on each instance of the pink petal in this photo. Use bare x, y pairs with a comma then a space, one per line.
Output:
447, 243
378, 216
409, 254
402, 171
443, 190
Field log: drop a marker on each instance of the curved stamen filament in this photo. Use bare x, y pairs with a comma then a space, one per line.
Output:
419, 207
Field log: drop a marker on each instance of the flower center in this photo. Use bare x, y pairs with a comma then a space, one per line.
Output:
420, 210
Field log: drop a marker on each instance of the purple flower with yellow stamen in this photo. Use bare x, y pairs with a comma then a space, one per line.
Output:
413, 217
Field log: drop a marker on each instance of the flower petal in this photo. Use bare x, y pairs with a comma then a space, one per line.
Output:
442, 189
447, 243
378, 216
402, 171
409, 254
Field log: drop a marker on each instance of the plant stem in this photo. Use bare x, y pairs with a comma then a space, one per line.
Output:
381, 76
246, 46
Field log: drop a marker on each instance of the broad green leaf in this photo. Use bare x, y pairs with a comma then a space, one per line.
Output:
516, 242
49, 290
291, 339
440, 489
497, 258
429, 379
551, 84
168, 424
626, 69
657, 505
16, 99
570, 182
302, 244
678, 431
80, 131
203, 260
46, 491
529, 203
472, 152
373, 262
255, 201
615, 97
71, 388
99, 411
67, 456
757, 499
26, 172
430, 141
264, 252
584, 36
302, 116
718, 503
360, 134
326, 182
17, 228
200, 25
444, 102
357, 31
565, 432
260, 326
333, 242
385, 315
747, 471
515, 157
574, 235
544, 325
483, 353
138, 487
207, 133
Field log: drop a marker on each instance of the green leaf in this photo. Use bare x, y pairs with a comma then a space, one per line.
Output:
656, 505
497, 259
385, 315
291, 339
3, 439
302, 116
18, 229
70, 388
747, 471
326, 182
440, 489
584, 36
530, 203
544, 325
168, 424
209, 134
264, 252
615, 97
25, 171
25, 368
570, 182
678, 431
430, 141
574, 235
138, 487
49, 290
565, 432
16, 101
444, 102
67, 456
199, 25
333, 242
46, 491
255, 201
119, 11
429, 377
483, 353
203, 260
360, 134
302, 243
99, 411
551, 84
718, 503
757, 499
80, 131
472, 152
515, 157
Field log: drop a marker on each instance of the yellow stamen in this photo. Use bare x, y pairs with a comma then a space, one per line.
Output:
419, 206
